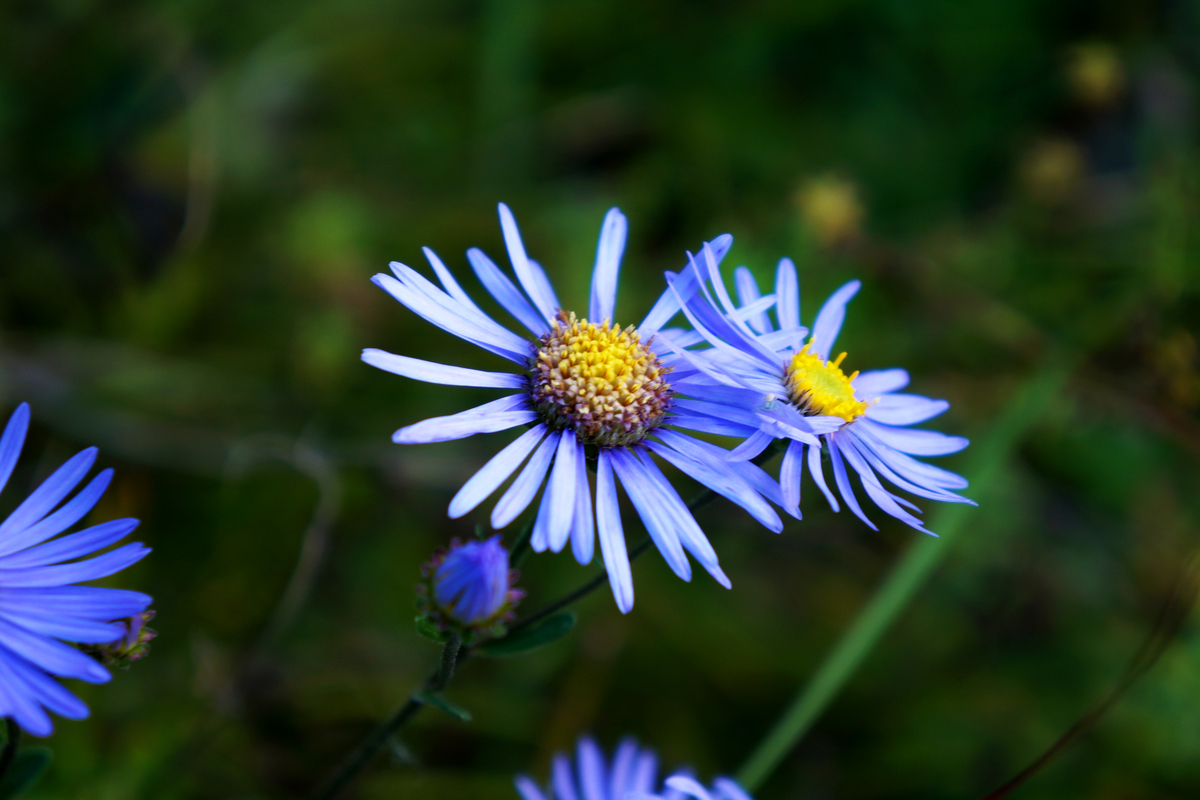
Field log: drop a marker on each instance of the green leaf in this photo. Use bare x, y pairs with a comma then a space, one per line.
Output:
442, 704
24, 772
533, 636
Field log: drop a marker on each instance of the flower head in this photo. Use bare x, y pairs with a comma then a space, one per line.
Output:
791, 389
632, 775
468, 589
593, 395
40, 605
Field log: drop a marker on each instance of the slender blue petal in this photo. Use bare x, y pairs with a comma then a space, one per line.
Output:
495, 472
646, 501
829, 319
623, 767
435, 301
51, 656
71, 512
689, 787
520, 264
787, 295
455, 318
49, 494
608, 264
915, 441
818, 473
506, 293
747, 290
692, 421
448, 282
562, 779
498, 415
591, 770
789, 476
528, 789
93, 569
583, 535
843, 483
74, 545
677, 513
12, 442
561, 491
544, 285
525, 487
869, 385
708, 464
751, 447
905, 409
611, 535
730, 790
431, 372
91, 602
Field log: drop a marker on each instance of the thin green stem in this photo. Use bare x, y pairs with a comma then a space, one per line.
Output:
11, 744
898, 590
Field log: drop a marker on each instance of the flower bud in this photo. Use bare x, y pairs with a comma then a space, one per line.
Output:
467, 589
132, 646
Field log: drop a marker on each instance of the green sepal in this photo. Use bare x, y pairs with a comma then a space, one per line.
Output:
26, 768
431, 630
531, 637
442, 704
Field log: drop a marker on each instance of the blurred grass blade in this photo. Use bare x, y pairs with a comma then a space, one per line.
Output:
909, 574
526, 639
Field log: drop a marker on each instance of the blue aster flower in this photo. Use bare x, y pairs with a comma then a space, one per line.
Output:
632, 775
587, 390
789, 388
40, 607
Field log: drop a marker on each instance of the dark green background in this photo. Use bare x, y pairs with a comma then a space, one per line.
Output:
193, 196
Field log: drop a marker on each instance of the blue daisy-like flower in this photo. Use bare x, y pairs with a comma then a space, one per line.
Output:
587, 390
632, 775
788, 388
40, 607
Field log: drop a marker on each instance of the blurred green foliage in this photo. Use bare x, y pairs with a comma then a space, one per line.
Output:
194, 195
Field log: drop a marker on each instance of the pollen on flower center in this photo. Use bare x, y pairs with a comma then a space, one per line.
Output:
819, 387
600, 381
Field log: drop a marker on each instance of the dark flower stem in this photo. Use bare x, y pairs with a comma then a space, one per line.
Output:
11, 743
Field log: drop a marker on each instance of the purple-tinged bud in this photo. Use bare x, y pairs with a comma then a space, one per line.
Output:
467, 589
133, 645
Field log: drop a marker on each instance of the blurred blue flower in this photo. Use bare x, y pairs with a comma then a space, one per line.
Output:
39, 606
587, 390
471, 584
632, 775
787, 388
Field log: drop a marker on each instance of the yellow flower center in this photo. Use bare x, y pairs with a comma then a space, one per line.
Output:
600, 381
821, 388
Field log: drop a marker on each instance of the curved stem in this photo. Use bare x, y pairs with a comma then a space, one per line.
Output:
11, 744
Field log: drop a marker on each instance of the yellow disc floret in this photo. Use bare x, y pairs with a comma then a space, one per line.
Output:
819, 387
599, 381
